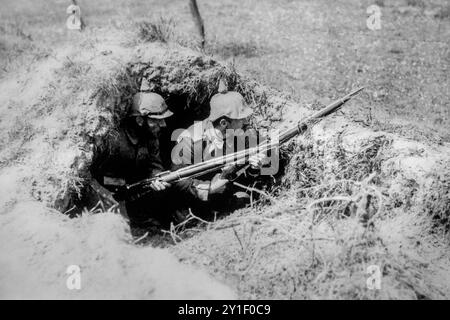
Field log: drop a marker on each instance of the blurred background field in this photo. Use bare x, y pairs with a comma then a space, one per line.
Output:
310, 49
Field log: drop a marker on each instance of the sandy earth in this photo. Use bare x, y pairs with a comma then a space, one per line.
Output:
39, 245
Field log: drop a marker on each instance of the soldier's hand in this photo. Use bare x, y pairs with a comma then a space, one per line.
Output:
258, 160
159, 185
228, 171
218, 184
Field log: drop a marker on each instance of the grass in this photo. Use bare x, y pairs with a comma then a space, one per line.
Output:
443, 13
17, 48
161, 30
298, 49
437, 204
13, 141
416, 3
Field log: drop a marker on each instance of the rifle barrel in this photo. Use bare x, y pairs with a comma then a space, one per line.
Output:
335, 105
331, 108
233, 158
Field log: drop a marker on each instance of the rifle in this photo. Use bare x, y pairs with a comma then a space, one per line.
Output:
137, 190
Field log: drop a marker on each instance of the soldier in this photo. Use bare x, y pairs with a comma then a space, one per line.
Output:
135, 153
210, 138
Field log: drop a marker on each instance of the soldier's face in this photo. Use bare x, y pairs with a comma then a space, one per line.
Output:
141, 121
161, 122
232, 124
237, 124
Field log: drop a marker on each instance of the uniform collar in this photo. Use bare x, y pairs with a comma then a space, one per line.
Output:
216, 138
213, 134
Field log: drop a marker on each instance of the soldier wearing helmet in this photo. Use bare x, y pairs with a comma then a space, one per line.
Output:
210, 138
135, 152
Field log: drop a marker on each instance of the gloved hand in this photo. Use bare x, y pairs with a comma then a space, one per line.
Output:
218, 184
159, 185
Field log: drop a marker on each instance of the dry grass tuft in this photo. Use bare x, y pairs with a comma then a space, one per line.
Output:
360, 164
18, 48
437, 202
160, 30
306, 168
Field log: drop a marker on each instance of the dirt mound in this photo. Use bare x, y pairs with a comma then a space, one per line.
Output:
352, 197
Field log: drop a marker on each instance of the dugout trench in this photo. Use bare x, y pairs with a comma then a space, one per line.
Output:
187, 86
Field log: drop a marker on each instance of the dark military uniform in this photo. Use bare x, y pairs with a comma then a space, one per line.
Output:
194, 145
199, 143
202, 141
127, 159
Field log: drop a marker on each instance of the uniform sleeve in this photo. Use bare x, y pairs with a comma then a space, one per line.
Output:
183, 156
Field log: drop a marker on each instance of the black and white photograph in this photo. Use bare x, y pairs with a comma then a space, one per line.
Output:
239, 151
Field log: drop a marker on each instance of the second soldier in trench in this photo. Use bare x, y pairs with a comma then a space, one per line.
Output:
214, 137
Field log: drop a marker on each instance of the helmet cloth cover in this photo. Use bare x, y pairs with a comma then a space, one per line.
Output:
230, 104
